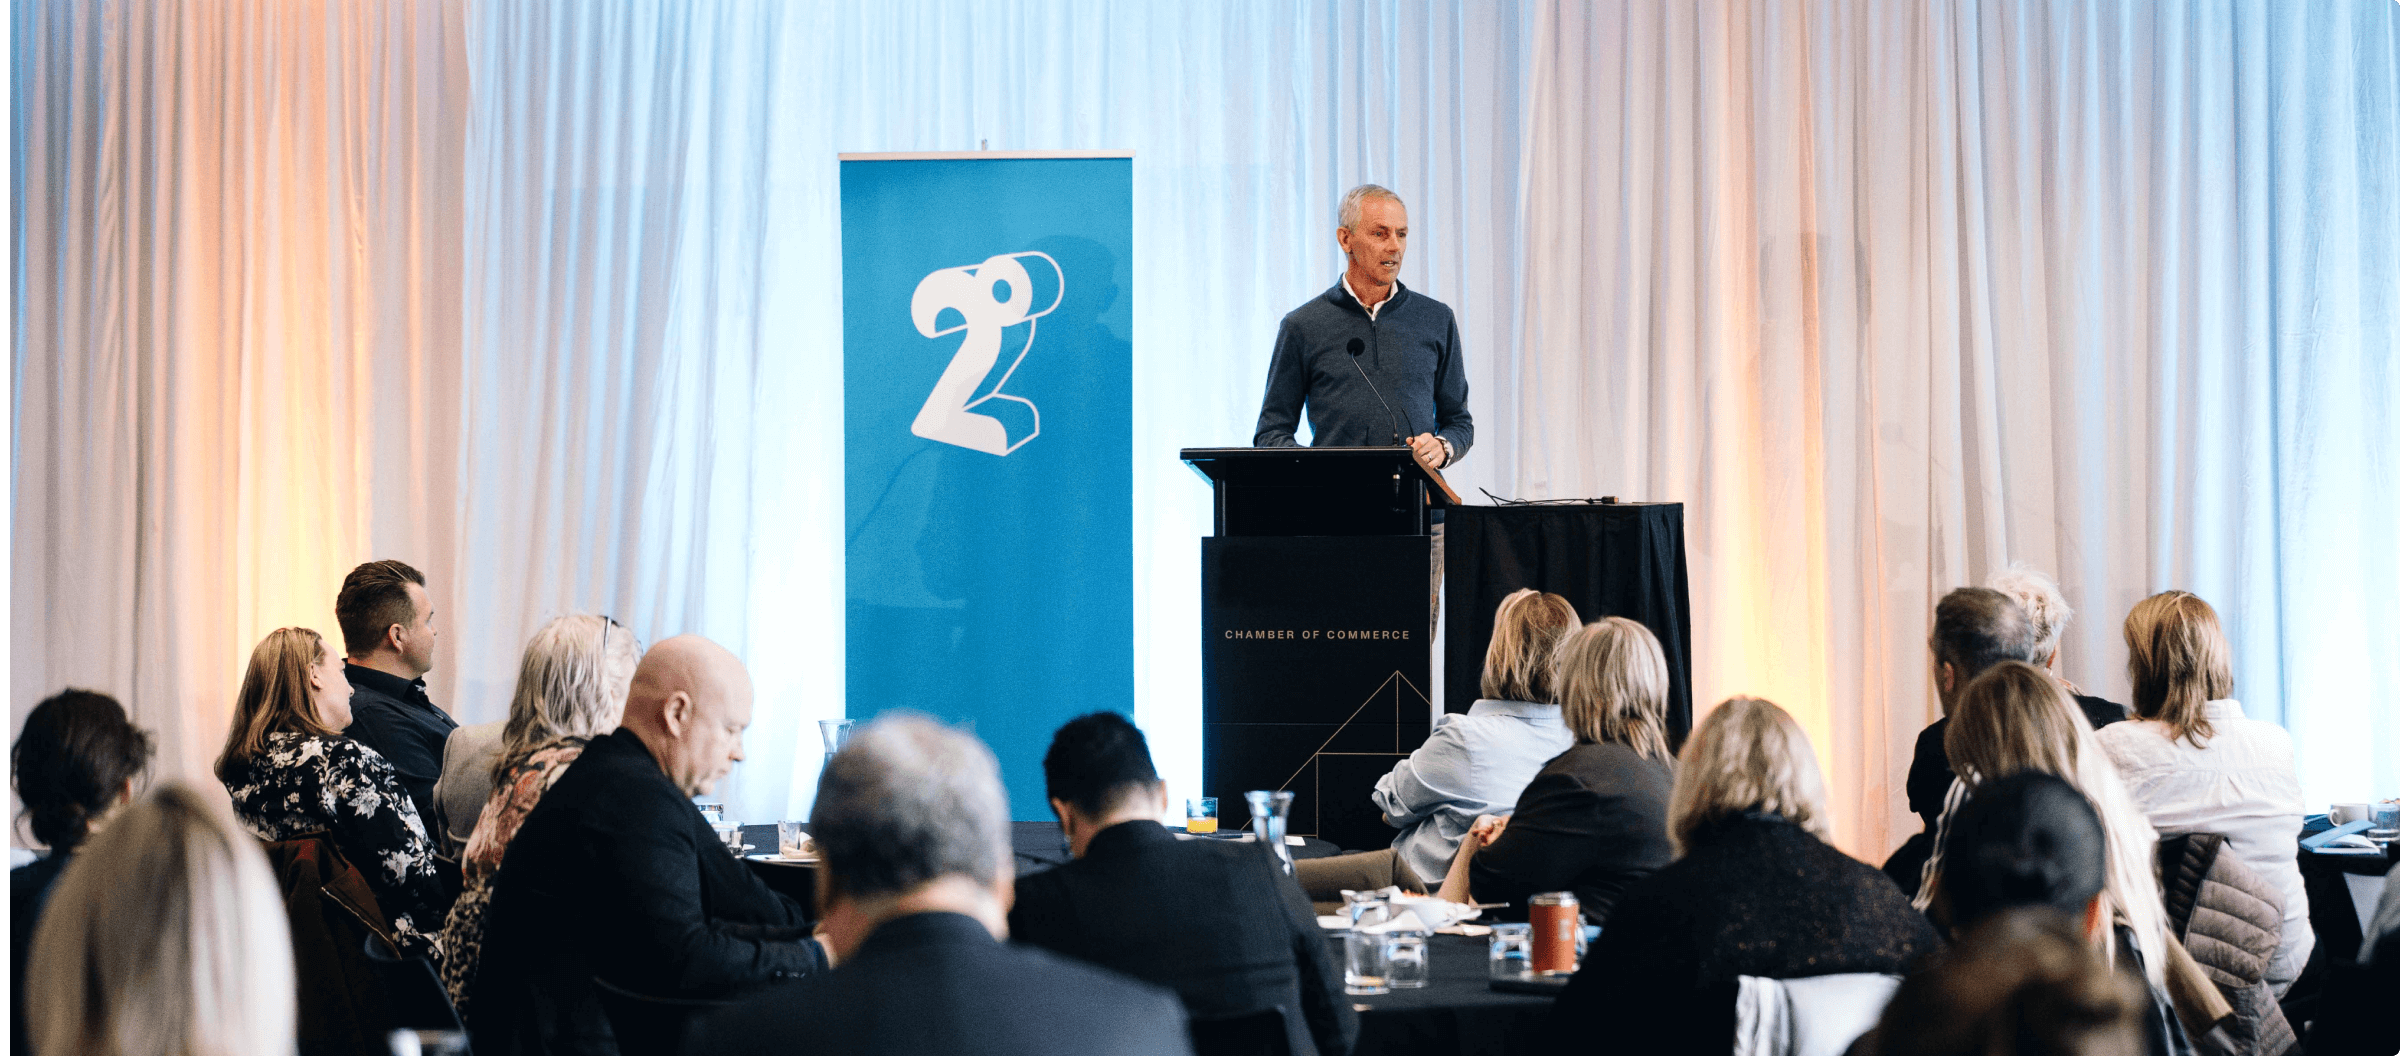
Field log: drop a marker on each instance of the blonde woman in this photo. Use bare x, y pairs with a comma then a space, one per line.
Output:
571, 669
1756, 891
2016, 718
2195, 763
1594, 820
571, 688
1477, 763
165, 937
292, 773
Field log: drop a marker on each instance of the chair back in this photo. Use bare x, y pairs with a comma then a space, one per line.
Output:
647, 1024
1814, 1016
1260, 1033
330, 912
411, 990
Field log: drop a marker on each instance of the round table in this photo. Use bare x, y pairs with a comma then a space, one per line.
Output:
1457, 1012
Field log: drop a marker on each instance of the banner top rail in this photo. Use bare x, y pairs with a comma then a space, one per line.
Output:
968, 155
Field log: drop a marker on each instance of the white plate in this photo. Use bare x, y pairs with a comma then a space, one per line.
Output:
777, 859
1336, 922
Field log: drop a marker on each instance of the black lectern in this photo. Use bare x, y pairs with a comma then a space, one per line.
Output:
1317, 628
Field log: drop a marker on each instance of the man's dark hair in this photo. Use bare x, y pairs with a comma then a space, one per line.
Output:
2028, 839
76, 751
374, 597
1095, 760
1976, 627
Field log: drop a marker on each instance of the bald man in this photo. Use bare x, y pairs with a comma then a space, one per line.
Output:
616, 877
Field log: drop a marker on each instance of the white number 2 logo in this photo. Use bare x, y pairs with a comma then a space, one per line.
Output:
989, 298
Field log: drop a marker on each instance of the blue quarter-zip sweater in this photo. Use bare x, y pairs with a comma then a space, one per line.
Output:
1410, 350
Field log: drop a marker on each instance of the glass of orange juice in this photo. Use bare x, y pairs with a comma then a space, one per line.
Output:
1200, 815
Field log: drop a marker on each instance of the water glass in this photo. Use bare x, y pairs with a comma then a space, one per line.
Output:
1367, 963
729, 833
1408, 962
1200, 815
790, 840
1356, 902
1269, 813
1512, 951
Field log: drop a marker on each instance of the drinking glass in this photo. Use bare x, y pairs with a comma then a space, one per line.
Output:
1269, 813
1367, 958
1408, 964
790, 840
729, 833
1200, 815
1353, 902
1512, 951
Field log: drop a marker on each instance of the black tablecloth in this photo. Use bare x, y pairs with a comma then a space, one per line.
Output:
1039, 845
1623, 559
1458, 1013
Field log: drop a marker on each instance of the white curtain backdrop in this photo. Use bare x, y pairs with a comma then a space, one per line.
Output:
1895, 294
544, 298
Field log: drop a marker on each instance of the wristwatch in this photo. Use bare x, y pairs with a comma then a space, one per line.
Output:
1449, 453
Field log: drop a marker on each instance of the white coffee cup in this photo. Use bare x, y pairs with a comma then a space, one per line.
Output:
2345, 813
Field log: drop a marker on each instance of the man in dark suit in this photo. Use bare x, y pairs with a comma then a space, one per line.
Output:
1219, 922
915, 880
615, 875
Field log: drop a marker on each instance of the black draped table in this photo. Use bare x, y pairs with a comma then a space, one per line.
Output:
1615, 559
1458, 1012
1039, 845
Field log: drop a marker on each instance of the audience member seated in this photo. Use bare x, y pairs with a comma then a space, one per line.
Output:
2016, 718
1756, 892
292, 773
1595, 819
1477, 763
614, 874
2196, 764
583, 659
387, 628
2032, 839
2038, 594
1973, 628
2021, 983
570, 688
914, 832
1219, 923
75, 762
165, 938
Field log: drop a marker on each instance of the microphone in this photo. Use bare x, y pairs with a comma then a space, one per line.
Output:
1357, 346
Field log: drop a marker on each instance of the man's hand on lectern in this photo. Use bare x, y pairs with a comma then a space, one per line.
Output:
1428, 448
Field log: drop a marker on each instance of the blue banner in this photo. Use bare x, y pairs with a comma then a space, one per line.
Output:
987, 400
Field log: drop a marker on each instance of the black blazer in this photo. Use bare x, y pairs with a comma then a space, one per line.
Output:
28, 891
1753, 896
1218, 922
615, 874
1592, 822
939, 983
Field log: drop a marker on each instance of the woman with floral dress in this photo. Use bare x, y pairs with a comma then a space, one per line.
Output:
292, 773
571, 687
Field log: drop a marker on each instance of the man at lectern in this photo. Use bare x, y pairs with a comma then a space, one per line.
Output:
1373, 361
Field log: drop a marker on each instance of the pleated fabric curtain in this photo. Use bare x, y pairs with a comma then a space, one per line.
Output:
236, 335
1896, 294
545, 299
